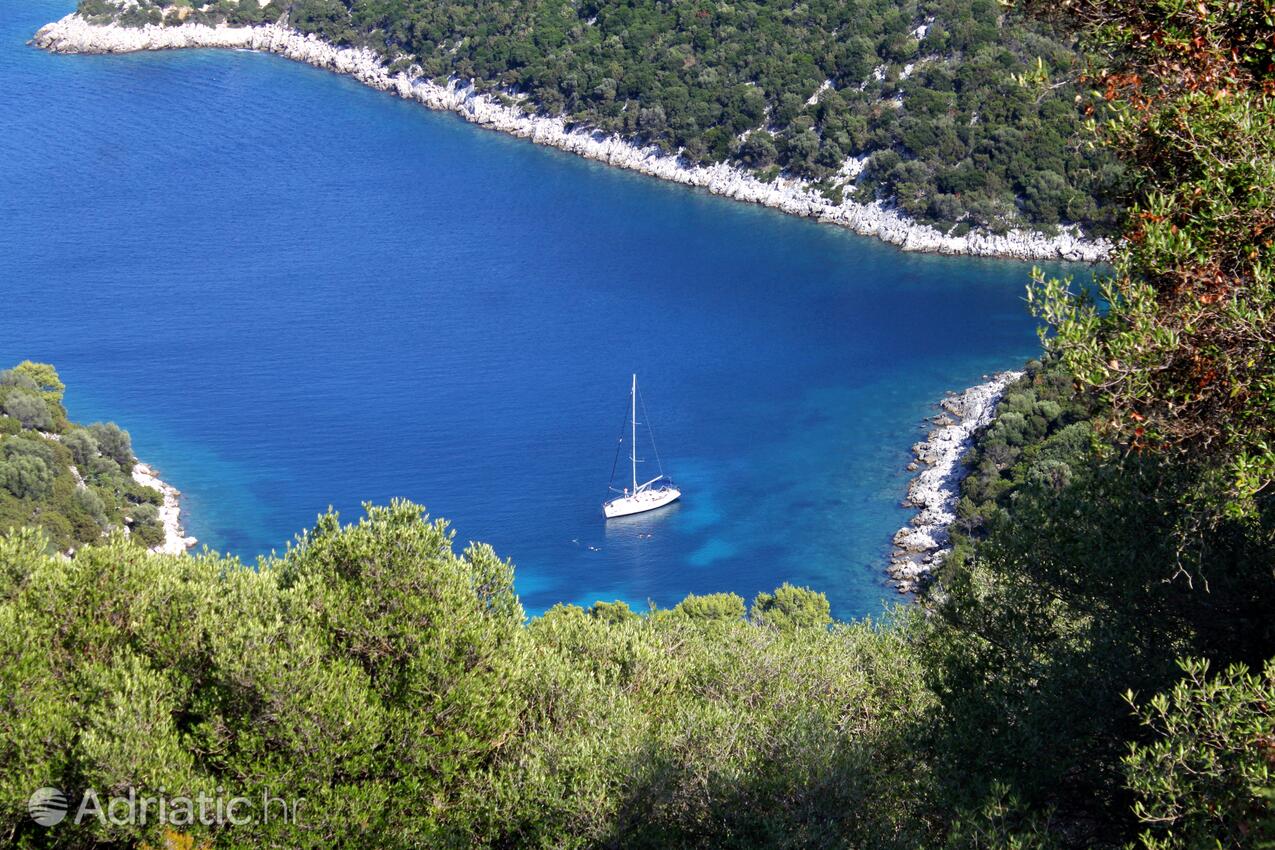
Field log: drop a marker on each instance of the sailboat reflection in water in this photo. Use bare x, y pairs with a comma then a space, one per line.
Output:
657, 492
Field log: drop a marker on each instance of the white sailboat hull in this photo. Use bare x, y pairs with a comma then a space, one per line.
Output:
640, 502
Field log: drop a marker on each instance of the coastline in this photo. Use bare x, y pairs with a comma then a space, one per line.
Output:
175, 540
73, 34
920, 546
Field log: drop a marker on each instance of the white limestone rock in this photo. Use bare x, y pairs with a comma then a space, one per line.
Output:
175, 540
921, 545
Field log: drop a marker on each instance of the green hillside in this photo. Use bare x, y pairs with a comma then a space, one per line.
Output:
73, 481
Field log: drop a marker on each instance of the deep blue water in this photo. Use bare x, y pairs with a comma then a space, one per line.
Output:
297, 292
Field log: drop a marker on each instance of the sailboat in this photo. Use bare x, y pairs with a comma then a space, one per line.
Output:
657, 492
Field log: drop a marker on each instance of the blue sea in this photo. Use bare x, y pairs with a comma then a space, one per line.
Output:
297, 293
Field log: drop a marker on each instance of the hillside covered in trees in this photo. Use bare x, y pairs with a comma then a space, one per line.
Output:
73, 481
933, 106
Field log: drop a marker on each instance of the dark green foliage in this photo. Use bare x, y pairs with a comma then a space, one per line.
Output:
143, 523
140, 16
1001, 822
26, 477
1041, 431
114, 443
29, 409
968, 141
91, 503
758, 150
1079, 591
97, 11
1069, 583
82, 445
1207, 778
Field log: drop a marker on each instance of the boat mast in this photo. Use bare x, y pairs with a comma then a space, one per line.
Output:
633, 434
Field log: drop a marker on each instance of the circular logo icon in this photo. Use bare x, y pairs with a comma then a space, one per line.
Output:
47, 806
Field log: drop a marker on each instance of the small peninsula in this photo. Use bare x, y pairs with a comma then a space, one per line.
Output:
920, 546
864, 192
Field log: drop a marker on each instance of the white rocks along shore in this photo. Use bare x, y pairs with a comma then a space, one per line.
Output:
74, 34
922, 545
175, 540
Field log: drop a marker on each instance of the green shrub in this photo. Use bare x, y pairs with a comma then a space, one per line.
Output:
83, 447
1207, 777
612, 612
29, 409
393, 684
114, 443
790, 608
91, 503
711, 608
26, 477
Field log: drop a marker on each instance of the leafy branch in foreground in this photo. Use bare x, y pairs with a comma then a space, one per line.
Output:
1180, 337
1210, 774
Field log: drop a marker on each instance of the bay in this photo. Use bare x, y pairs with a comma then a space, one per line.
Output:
297, 293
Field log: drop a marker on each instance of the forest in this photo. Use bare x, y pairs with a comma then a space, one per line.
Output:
1093, 666
931, 106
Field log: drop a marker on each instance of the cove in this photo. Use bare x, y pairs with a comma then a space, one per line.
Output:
297, 292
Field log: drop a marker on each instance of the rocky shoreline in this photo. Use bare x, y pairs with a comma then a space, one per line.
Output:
175, 540
74, 34
921, 546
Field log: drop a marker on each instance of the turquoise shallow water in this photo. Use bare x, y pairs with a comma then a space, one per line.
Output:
297, 292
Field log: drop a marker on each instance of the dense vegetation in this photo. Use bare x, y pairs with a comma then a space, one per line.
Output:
1079, 576
1182, 354
1093, 667
74, 481
393, 684
923, 94
1112, 549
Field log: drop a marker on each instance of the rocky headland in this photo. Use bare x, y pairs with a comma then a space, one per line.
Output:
175, 540
921, 546
507, 113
